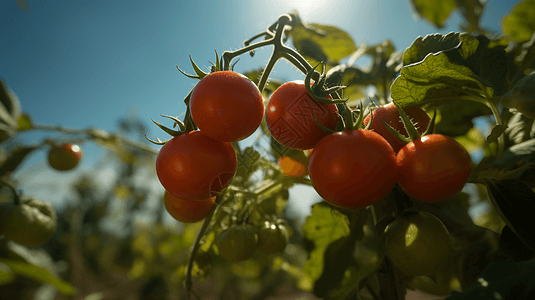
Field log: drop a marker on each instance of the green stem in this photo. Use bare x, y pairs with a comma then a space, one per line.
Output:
188, 283
279, 51
499, 121
16, 198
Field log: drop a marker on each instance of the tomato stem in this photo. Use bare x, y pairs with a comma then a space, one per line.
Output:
188, 283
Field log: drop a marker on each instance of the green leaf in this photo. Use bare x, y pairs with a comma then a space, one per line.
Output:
336, 259
501, 280
6, 275
435, 12
520, 23
519, 128
459, 72
321, 42
37, 273
495, 133
10, 109
512, 246
15, 159
324, 226
431, 43
514, 201
519, 153
25, 122
471, 11
521, 97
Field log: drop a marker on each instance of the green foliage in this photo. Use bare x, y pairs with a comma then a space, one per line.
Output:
321, 43
337, 253
436, 12
504, 279
520, 23
324, 227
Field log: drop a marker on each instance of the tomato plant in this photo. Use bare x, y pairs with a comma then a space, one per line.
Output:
238, 242
187, 211
64, 157
193, 166
272, 237
433, 168
353, 169
30, 223
227, 106
290, 116
390, 115
418, 243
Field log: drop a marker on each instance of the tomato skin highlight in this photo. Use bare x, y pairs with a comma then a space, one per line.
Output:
227, 106
64, 157
187, 211
193, 166
353, 169
390, 115
433, 168
289, 116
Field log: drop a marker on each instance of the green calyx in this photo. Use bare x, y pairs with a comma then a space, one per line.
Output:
410, 127
317, 90
200, 74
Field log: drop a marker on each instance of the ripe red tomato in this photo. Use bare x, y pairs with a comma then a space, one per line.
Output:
433, 168
227, 106
353, 169
64, 157
193, 166
289, 116
390, 115
187, 211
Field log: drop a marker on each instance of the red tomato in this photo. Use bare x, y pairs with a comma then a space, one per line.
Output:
227, 106
353, 169
193, 166
289, 116
390, 115
64, 157
433, 168
185, 210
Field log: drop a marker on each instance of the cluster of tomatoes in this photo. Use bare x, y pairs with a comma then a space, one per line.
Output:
356, 168
352, 168
195, 166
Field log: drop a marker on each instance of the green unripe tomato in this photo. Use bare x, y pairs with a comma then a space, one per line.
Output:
64, 157
238, 242
30, 223
418, 244
272, 237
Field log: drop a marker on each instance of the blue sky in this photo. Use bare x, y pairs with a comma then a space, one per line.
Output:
88, 63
